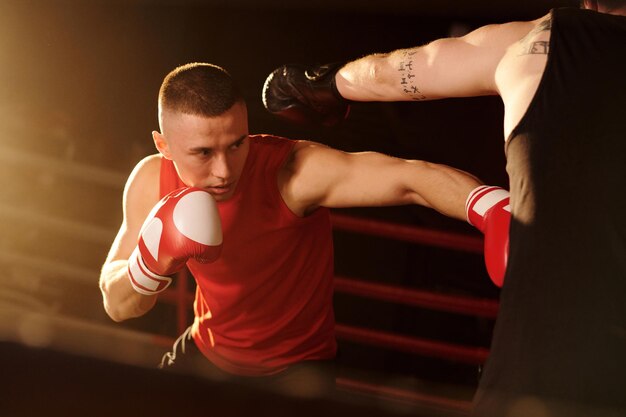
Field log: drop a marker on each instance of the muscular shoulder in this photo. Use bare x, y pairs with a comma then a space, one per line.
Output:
303, 147
148, 166
292, 169
305, 155
303, 177
143, 182
535, 41
502, 40
499, 36
530, 38
521, 68
480, 52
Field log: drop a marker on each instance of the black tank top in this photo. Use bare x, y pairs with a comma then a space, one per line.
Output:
560, 338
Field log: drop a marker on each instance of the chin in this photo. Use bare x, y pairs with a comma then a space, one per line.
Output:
222, 197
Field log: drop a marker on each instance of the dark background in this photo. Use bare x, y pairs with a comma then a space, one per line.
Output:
78, 85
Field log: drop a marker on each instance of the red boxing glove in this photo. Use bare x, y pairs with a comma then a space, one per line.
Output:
488, 210
184, 224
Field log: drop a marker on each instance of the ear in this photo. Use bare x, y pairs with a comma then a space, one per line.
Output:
590, 5
161, 144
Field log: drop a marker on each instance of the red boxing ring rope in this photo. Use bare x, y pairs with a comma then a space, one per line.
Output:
481, 307
431, 348
413, 234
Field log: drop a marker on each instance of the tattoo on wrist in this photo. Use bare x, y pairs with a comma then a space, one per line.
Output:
407, 76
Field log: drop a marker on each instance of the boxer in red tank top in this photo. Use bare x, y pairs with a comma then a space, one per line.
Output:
263, 307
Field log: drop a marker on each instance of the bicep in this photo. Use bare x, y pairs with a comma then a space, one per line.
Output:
466, 66
322, 176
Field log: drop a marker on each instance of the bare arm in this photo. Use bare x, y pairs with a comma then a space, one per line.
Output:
320, 176
449, 67
141, 193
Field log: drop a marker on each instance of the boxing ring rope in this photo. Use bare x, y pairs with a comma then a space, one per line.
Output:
480, 307
424, 347
404, 233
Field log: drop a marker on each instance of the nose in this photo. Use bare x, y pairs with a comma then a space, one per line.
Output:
221, 167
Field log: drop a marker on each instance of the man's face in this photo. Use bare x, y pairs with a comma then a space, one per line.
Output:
208, 152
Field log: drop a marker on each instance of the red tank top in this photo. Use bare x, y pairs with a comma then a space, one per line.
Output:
267, 302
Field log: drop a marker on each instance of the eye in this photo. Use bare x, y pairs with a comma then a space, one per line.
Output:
238, 144
202, 152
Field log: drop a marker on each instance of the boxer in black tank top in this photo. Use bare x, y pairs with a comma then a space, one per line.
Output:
560, 338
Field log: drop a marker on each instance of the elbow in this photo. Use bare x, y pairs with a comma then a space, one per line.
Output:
120, 301
114, 314
380, 72
112, 308
125, 311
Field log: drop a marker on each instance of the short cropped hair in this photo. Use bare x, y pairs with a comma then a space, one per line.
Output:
200, 89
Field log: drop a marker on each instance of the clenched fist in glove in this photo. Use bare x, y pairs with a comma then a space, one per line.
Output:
488, 210
305, 95
184, 224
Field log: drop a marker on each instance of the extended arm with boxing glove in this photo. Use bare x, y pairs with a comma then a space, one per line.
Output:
305, 95
184, 224
488, 210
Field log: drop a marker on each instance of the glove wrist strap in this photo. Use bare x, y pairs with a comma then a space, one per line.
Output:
480, 201
142, 279
326, 74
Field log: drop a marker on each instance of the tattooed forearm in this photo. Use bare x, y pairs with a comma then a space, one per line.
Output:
407, 76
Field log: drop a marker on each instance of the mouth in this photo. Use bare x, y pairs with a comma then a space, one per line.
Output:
220, 189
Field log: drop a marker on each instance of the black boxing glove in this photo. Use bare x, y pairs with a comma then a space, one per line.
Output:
305, 95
